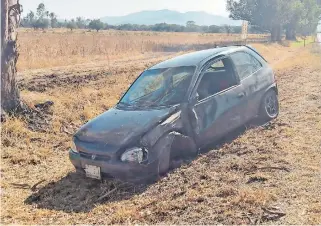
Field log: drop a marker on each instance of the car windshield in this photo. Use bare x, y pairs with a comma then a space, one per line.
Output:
159, 87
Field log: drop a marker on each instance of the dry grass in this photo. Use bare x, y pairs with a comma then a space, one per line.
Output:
40, 49
234, 184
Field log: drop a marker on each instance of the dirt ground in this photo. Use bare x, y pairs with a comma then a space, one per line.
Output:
266, 175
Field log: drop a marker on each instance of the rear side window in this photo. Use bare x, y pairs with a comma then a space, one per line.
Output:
245, 64
256, 53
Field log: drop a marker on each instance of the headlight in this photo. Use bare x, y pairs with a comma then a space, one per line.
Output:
73, 146
134, 155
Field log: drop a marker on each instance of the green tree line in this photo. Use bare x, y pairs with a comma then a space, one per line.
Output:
294, 17
43, 19
289, 17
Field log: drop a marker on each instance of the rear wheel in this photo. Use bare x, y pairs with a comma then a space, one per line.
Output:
269, 109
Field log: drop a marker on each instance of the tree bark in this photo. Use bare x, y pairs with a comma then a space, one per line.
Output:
10, 16
273, 34
276, 35
290, 33
279, 33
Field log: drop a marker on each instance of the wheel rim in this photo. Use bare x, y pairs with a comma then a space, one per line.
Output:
271, 106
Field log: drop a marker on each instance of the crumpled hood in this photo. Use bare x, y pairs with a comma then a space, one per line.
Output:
119, 127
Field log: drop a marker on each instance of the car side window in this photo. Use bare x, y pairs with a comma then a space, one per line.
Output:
216, 66
256, 64
216, 78
245, 64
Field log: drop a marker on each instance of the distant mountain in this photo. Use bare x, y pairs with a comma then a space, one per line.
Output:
170, 17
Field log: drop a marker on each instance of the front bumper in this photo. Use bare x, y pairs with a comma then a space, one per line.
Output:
130, 172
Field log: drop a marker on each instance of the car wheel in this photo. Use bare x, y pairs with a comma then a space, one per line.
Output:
269, 106
164, 163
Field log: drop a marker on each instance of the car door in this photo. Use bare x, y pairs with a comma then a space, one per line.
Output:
249, 70
220, 111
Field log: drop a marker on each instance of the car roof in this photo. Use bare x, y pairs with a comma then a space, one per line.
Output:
192, 59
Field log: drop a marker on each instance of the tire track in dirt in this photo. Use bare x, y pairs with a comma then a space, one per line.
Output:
86, 73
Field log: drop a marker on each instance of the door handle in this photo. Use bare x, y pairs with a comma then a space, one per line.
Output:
241, 95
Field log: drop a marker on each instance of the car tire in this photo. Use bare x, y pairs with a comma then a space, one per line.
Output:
164, 163
269, 108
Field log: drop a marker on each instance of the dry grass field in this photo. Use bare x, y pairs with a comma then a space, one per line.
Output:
266, 175
62, 47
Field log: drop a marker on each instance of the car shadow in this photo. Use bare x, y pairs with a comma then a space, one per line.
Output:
76, 193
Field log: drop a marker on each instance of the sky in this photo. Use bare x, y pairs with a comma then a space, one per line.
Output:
67, 9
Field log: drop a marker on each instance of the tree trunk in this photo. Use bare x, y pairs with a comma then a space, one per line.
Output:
279, 33
290, 33
276, 35
273, 34
10, 16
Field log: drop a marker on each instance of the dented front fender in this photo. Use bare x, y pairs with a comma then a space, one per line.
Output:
172, 123
168, 137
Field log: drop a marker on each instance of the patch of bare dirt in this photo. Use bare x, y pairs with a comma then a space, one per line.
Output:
42, 83
83, 74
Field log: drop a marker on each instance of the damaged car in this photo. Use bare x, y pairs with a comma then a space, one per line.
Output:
173, 109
